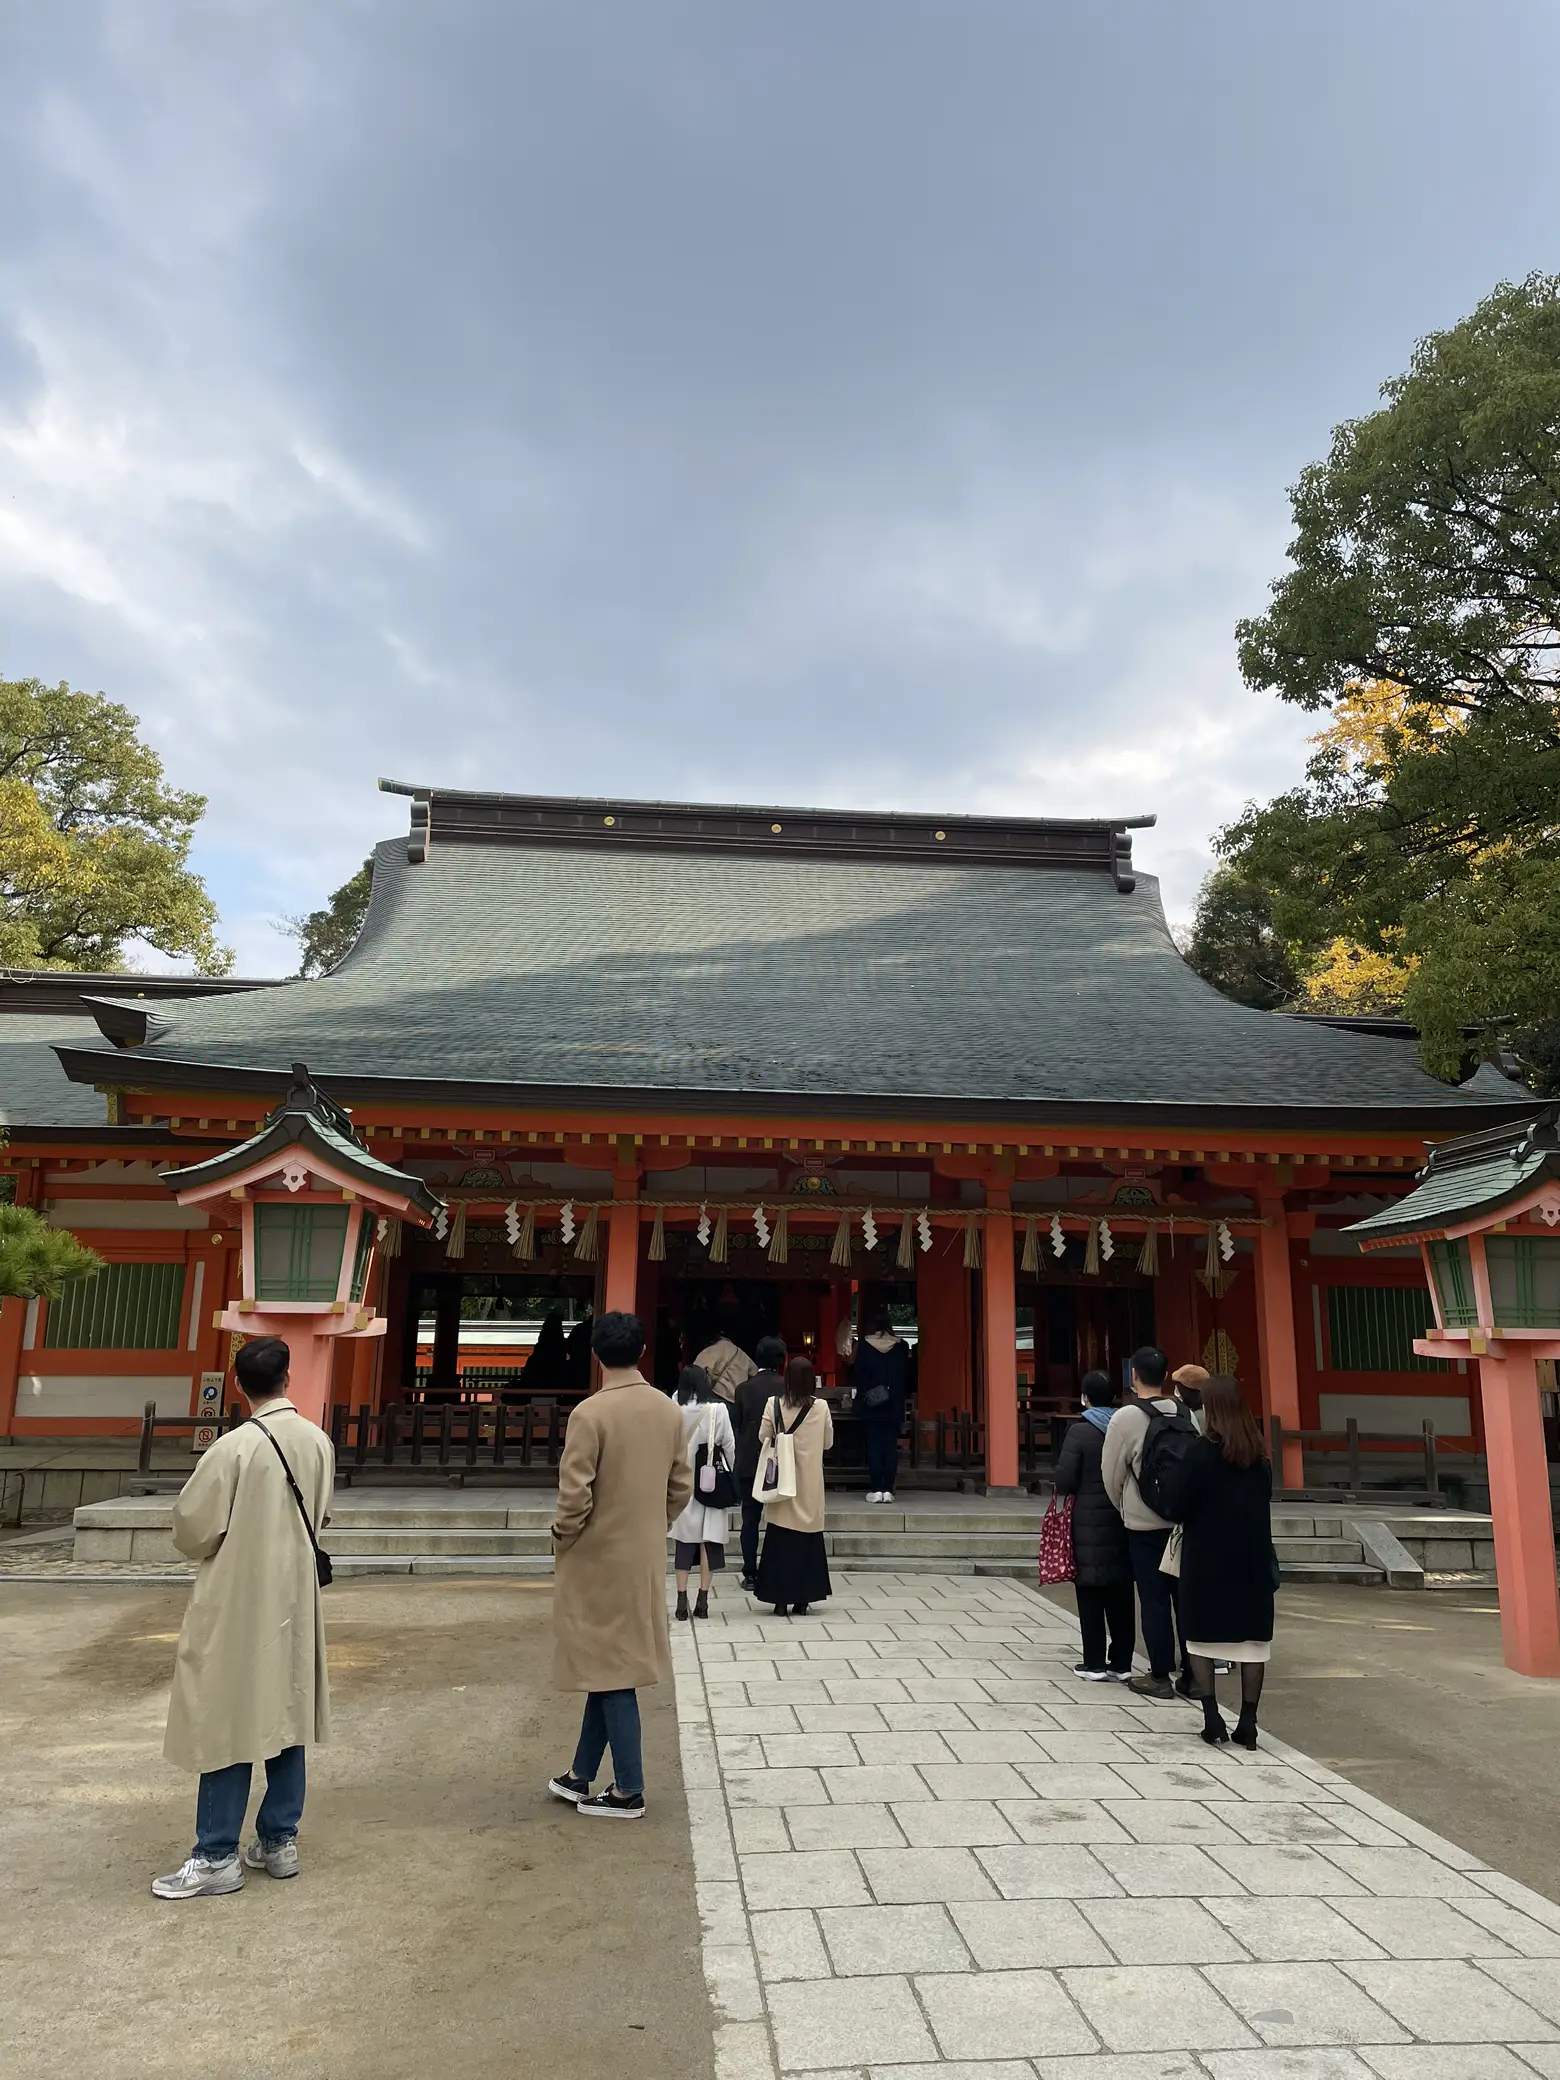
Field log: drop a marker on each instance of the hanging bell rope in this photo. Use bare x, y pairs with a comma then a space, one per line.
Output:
455, 1246
658, 1238
1148, 1255
1031, 1257
971, 1242
840, 1254
904, 1256
780, 1239
719, 1240
1091, 1250
585, 1247
524, 1244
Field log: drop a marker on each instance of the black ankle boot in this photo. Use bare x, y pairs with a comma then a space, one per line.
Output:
702, 1608
1214, 1729
682, 1603
1245, 1735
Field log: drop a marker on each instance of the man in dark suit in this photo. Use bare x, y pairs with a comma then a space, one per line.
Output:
747, 1412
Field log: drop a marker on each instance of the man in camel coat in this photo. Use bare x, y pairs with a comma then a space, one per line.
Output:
623, 1479
249, 1681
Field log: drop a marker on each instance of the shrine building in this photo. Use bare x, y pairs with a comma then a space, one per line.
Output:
764, 1067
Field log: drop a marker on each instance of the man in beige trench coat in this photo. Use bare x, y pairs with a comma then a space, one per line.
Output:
249, 1682
623, 1478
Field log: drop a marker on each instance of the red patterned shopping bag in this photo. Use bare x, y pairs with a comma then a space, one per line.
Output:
1056, 1546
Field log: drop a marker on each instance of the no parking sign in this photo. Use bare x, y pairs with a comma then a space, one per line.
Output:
208, 1411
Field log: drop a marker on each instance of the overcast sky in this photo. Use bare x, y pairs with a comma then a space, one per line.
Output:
879, 402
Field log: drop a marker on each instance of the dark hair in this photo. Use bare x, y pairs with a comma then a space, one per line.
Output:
769, 1353
801, 1383
1229, 1422
880, 1322
693, 1384
617, 1338
1098, 1389
1150, 1366
261, 1367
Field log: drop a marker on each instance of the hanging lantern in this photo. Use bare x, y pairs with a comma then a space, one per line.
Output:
780, 1239
1058, 1239
658, 1237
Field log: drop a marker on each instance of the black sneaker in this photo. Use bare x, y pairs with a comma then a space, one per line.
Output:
748, 1584
1151, 1686
613, 1804
1090, 1675
569, 1788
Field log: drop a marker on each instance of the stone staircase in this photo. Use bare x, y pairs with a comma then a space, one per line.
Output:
497, 1531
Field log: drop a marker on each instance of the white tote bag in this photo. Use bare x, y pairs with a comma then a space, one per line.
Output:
775, 1480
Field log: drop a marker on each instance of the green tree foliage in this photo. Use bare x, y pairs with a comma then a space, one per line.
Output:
1234, 945
1422, 606
35, 1258
325, 937
94, 846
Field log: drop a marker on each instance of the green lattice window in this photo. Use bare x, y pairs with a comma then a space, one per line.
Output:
123, 1307
1452, 1267
1372, 1328
1524, 1280
298, 1251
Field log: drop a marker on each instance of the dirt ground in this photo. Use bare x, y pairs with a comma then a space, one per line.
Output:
450, 1919
1406, 1694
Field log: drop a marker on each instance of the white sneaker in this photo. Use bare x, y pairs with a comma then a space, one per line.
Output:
886, 1496
197, 1879
873, 1495
281, 1861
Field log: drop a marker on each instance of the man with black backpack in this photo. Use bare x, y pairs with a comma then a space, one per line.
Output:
1142, 1446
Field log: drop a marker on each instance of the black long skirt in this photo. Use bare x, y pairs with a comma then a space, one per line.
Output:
793, 1566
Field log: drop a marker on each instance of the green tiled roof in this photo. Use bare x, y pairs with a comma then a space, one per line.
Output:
1472, 1176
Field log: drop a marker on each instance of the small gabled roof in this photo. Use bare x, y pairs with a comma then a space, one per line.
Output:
307, 1119
1470, 1178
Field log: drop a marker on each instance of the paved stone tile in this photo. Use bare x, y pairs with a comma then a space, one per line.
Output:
878, 1784
775, 1787
742, 2051
946, 1822
788, 1945
844, 1827
733, 1982
1452, 2003
864, 1940
1360, 1827
1061, 1820
861, 1690
1303, 2004
806, 1750
1458, 2062
1002, 2015
1519, 1931
1421, 1928
1084, 1747
1290, 1930
953, 2069
1156, 2007
965, 1780
1072, 1780
1030, 1717
1288, 1867
749, 1718
841, 2022
1184, 1780
804, 1878
1051, 1871
1407, 1873
900, 1748
782, 1693
758, 1828
720, 1910
943, 1690
1171, 1871
1150, 1931
1534, 1981
843, 1718
995, 1744
833, 1649
1325, 2062
911, 1876
1129, 2065
1259, 1822
1170, 1820
926, 1718
1009, 1935
1545, 1911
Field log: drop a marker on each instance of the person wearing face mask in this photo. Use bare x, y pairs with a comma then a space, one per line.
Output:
1102, 1560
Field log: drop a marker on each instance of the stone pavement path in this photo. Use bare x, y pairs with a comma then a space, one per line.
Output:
926, 1851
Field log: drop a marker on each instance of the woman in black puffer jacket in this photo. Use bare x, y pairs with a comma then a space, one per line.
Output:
1102, 1562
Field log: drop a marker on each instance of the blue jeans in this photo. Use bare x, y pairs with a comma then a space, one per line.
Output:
1159, 1596
611, 1715
224, 1795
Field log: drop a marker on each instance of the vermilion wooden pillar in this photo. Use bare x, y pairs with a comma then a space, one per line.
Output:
1000, 1305
1524, 1517
1276, 1335
942, 1308
622, 1282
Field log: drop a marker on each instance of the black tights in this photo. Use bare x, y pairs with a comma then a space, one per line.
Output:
1214, 1728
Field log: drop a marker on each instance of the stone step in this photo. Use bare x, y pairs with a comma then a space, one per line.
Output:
355, 1540
879, 1516
1321, 1550
349, 1565
1363, 1575
967, 1545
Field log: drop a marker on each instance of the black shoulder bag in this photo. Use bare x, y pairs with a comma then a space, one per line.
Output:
324, 1572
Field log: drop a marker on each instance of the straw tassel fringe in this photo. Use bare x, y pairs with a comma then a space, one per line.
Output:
455, 1246
585, 1246
971, 1243
719, 1239
1031, 1257
780, 1238
658, 1238
840, 1254
904, 1256
1148, 1255
1091, 1250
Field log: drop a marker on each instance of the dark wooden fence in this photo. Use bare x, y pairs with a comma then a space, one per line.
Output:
1385, 1475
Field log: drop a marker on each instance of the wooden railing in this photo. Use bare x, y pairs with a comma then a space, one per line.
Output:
151, 1422
1360, 1480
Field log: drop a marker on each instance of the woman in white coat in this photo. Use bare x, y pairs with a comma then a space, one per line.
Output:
699, 1534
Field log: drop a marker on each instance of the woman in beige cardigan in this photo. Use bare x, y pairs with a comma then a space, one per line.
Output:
793, 1569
